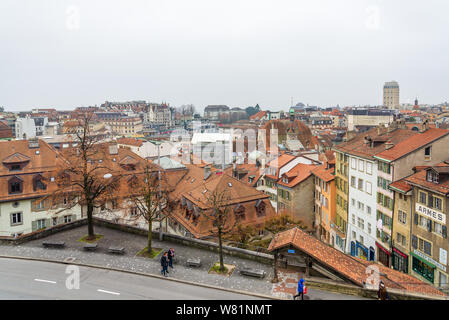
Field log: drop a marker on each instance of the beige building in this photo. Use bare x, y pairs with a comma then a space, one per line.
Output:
391, 95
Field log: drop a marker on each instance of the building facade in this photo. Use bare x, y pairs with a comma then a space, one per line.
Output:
391, 95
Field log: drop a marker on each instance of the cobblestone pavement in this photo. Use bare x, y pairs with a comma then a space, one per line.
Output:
129, 261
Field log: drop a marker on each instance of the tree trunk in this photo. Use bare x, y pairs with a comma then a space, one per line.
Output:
90, 225
150, 235
220, 250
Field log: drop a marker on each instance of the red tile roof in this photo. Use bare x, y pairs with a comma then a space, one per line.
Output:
420, 179
353, 269
130, 141
412, 143
323, 173
297, 174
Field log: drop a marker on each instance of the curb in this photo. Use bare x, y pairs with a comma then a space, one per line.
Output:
146, 275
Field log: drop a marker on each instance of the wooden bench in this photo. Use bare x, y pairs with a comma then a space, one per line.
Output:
253, 272
194, 262
118, 250
53, 244
90, 246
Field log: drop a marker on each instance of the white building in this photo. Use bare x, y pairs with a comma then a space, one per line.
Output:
361, 233
29, 128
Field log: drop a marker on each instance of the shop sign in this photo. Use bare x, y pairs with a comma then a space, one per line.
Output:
430, 213
436, 263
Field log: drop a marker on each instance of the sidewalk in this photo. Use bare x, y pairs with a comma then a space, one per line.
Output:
134, 243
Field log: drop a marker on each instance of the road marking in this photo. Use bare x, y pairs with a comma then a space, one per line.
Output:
110, 292
48, 281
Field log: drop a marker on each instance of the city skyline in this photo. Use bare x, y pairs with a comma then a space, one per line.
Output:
69, 54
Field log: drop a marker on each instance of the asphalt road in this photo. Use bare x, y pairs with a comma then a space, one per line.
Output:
27, 279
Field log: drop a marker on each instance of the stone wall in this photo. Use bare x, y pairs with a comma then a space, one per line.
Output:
43, 233
192, 242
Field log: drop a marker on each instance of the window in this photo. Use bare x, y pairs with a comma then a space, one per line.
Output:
423, 198
361, 165
39, 205
438, 203
360, 184
438, 228
361, 206
423, 269
368, 210
353, 163
40, 224
67, 219
354, 235
402, 217
353, 202
425, 246
353, 181
401, 239
55, 221
369, 187
15, 185
16, 218
369, 168
427, 153
361, 239
353, 219
369, 228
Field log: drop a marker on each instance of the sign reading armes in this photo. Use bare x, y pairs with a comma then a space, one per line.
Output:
432, 214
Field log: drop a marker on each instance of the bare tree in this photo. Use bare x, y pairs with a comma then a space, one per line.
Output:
149, 198
88, 177
220, 214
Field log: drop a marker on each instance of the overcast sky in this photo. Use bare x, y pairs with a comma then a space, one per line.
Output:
66, 54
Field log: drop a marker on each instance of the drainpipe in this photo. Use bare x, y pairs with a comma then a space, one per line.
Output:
161, 235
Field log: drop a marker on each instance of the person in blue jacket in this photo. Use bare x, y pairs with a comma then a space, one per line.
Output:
300, 288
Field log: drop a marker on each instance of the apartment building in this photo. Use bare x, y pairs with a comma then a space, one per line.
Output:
325, 203
377, 158
159, 115
342, 192
127, 126
391, 94
27, 175
430, 205
295, 194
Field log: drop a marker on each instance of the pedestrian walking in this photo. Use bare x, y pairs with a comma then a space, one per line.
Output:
171, 255
164, 264
300, 288
382, 293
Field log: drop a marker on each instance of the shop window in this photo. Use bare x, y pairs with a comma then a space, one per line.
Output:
423, 269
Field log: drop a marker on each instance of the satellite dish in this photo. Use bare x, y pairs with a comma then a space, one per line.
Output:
107, 176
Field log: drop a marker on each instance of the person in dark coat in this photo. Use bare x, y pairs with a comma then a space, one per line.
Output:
171, 254
382, 293
164, 264
300, 289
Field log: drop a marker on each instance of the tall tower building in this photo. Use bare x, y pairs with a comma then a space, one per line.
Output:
391, 95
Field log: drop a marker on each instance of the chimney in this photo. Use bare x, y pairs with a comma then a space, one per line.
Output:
393, 126
349, 136
380, 129
388, 145
367, 140
263, 163
424, 126
206, 172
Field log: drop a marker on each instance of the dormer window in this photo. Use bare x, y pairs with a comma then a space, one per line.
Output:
15, 167
260, 208
15, 185
239, 212
38, 184
432, 176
